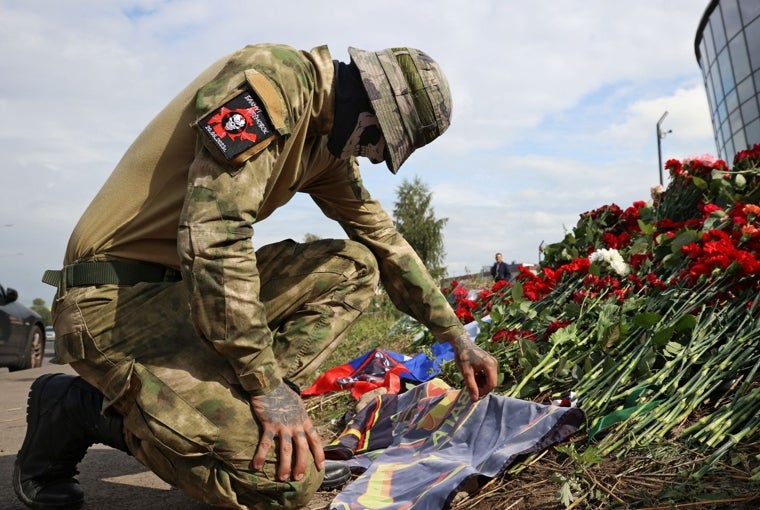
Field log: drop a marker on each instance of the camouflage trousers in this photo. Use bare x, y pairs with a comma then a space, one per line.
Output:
185, 416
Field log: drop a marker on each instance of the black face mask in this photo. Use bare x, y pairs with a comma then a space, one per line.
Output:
356, 130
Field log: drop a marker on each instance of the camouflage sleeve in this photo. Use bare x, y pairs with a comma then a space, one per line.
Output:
219, 264
343, 197
215, 245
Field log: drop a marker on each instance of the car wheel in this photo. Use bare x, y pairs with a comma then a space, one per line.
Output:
35, 350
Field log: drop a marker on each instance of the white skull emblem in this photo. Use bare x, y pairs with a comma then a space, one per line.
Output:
234, 123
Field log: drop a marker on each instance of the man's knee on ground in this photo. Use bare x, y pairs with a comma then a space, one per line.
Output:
259, 492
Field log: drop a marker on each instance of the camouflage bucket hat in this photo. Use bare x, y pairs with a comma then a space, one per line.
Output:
410, 96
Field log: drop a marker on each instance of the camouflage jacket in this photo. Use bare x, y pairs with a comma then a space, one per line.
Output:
175, 174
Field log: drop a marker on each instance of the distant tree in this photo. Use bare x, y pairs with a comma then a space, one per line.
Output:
39, 306
310, 238
415, 219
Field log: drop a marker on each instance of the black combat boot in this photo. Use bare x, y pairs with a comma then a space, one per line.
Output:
64, 419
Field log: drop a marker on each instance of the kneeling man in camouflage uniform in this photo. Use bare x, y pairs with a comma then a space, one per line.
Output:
189, 343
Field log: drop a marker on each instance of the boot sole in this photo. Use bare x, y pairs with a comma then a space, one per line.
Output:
33, 409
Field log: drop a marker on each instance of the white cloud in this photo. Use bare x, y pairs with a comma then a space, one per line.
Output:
687, 119
554, 114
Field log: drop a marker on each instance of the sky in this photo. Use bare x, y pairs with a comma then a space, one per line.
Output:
555, 109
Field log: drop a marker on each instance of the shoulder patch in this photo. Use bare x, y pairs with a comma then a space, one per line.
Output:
239, 128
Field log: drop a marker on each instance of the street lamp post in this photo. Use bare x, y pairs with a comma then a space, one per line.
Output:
660, 135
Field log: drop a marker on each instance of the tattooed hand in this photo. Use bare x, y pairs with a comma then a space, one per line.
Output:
283, 418
478, 368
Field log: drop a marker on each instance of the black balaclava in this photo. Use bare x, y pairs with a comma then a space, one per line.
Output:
356, 130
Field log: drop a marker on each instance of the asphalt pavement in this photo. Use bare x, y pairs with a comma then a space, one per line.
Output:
110, 478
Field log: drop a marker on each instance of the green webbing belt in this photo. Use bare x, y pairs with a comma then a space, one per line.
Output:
630, 407
112, 272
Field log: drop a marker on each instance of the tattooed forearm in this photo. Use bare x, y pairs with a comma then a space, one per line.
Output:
468, 352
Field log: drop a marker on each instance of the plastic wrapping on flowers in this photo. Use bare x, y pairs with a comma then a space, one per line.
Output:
649, 314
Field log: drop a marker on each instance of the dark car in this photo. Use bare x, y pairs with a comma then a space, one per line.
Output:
22, 334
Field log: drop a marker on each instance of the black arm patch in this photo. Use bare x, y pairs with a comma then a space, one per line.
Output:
238, 129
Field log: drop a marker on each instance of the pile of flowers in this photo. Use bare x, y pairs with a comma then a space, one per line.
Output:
650, 314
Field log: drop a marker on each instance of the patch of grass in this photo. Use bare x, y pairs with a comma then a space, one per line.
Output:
328, 412
372, 330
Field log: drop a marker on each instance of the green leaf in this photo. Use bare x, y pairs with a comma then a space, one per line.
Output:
640, 246
717, 175
529, 390
590, 456
646, 319
609, 364
686, 322
722, 188
608, 315
646, 228
496, 314
564, 335
662, 336
561, 371
572, 309
517, 291
699, 182
688, 236
527, 312
672, 260
587, 366
531, 352
740, 182
647, 214
632, 304
644, 366
714, 220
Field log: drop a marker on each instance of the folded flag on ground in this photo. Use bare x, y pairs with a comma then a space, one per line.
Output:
380, 368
